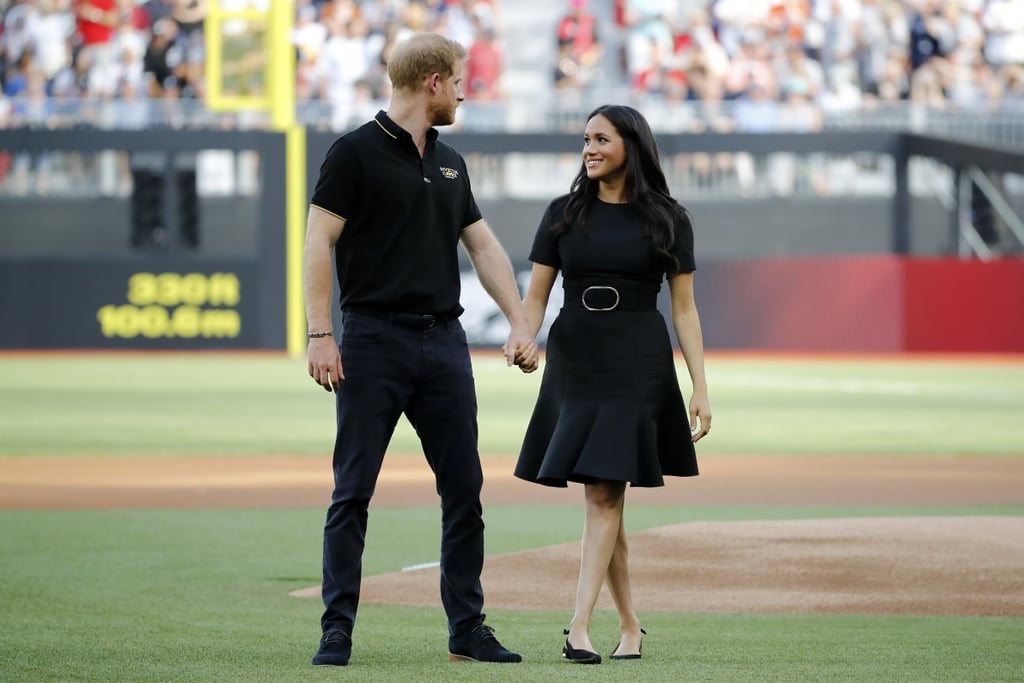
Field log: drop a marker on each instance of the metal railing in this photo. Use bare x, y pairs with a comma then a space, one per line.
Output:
851, 156
996, 123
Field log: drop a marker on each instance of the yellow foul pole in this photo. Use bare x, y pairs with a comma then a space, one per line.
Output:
281, 82
279, 99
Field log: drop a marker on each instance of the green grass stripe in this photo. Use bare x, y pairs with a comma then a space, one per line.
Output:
255, 404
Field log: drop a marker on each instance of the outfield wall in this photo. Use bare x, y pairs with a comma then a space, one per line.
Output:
863, 304
76, 275
814, 304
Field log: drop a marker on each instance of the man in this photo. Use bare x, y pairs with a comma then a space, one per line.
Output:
393, 202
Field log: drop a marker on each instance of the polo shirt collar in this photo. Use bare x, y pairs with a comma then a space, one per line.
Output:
395, 131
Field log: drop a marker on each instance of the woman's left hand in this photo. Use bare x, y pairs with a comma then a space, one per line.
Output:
700, 412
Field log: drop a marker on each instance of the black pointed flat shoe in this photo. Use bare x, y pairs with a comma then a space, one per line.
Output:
638, 655
579, 656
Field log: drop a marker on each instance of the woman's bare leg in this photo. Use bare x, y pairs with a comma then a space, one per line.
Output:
600, 530
622, 594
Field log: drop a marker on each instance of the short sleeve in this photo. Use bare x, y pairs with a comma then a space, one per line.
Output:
472, 213
545, 242
339, 185
682, 246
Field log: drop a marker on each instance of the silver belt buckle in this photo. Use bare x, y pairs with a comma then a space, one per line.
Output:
587, 306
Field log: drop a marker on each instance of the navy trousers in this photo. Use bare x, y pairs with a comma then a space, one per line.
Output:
393, 368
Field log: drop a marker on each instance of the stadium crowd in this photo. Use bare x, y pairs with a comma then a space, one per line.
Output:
775, 60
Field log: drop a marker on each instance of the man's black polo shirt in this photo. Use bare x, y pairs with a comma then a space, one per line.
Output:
403, 218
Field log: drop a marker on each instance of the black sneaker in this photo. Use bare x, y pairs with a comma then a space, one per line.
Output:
479, 645
335, 649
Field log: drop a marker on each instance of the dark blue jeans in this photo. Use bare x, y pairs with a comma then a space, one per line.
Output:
391, 369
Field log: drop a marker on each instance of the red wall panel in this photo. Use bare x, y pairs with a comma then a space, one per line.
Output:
802, 304
954, 305
863, 304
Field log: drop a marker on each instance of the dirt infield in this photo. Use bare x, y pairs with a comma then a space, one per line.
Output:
903, 565
167, 482
923, 565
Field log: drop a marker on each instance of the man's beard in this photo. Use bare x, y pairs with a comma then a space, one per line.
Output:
442, 115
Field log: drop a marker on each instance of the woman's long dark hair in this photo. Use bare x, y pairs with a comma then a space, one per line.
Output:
645, 184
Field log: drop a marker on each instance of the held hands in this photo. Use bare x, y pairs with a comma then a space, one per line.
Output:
521, 351
325, 363
700, 410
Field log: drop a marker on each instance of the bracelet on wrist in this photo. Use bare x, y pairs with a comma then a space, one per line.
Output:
317, 335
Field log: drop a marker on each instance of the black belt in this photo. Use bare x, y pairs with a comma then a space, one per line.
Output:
415, 321
613, 296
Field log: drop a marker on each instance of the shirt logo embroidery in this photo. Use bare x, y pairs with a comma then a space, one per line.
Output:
449, 173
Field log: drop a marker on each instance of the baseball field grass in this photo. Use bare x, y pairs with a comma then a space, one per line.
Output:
202, 594
252, 404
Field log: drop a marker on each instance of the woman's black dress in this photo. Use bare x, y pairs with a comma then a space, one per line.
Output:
609, 405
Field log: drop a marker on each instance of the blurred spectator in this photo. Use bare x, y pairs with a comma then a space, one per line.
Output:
579, 46
453, 19
1009, 82
833, 55
619, 12
1003, 21
790, 19
308, 37
965, 24
841, 94
832, 34
190, 15
798, 113
930, 33
926, 84
345, 60
663, 76
880, 24
798, 67
736, 18
757, 111
895, 83
751, 68
483, 69
967, 78
16, 80
97, 21
649, 34
698, 46
164, 59
15, 41
50, 36
155, 10
709, 93
486, 15
31, 107
14, 28
127, 48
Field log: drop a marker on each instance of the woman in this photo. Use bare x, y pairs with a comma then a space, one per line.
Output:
610, 411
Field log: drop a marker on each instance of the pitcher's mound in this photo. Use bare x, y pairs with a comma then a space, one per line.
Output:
902, 565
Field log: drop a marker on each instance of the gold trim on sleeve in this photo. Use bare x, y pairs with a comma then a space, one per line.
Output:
330, 212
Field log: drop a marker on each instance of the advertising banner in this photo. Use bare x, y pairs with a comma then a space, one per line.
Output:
144, 303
